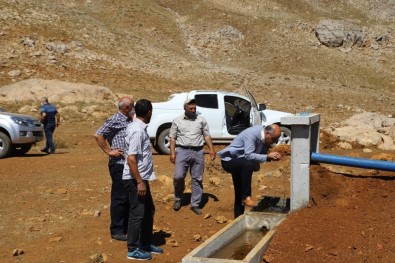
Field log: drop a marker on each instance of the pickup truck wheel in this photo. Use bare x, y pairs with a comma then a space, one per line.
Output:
22, 149
285, 137
5, 145
163, 144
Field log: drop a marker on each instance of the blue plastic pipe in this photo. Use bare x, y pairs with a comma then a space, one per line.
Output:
354, 162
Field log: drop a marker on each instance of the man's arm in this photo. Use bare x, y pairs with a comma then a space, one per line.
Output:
172, 150
207, 138
134, 171
104, 146
209, 143
250, 147
43, 115
57, 119
173, 136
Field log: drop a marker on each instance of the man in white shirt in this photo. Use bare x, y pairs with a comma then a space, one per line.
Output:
137, 173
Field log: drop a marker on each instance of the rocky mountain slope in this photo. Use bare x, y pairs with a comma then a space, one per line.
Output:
166, 46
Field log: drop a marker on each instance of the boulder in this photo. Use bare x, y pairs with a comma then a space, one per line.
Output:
55, 91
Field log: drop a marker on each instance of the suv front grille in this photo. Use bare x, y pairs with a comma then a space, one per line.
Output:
38, 133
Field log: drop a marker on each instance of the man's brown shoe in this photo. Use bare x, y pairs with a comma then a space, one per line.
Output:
249, 202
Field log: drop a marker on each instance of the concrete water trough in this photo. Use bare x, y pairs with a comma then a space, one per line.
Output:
244, 240
248, 236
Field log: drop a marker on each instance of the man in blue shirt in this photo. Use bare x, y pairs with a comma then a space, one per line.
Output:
50, 117
243, 155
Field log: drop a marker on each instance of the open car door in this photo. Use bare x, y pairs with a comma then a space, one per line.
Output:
255, 114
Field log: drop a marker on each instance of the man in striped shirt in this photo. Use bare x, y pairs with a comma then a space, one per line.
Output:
113, 130
243, 155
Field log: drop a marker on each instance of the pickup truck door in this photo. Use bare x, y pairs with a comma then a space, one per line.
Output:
255, 114
208, 106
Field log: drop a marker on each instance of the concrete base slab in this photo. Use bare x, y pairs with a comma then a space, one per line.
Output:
248, 221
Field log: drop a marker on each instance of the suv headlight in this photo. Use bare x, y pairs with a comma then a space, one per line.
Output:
20, 121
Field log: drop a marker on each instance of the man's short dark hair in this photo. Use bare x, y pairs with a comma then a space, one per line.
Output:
142, 107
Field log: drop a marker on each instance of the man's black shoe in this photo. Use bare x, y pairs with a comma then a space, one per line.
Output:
51, 152
44, 150
120, 237
196, 210
177, 205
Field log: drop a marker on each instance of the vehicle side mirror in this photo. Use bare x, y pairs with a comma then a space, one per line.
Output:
262, 106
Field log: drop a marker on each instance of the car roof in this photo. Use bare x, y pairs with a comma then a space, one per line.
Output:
221, 92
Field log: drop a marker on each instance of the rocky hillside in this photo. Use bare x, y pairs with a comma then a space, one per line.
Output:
294, 55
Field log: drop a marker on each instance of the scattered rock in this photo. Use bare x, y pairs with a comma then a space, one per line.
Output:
62, 48
55, 239
221, 219
50, 46
345, 145
334, 33
96, 258
384, 157
308, 248
104, 257
61, 191
168, 198
215, 181
14, 73
17, 252
28, 41
173, 243
262, 188
208, 215
197, 237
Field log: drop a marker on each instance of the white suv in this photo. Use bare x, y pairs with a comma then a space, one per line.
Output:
18, 133
227, 114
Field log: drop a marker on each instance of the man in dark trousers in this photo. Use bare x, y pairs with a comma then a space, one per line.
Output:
50, 117
113, 130
243, 155
138, 171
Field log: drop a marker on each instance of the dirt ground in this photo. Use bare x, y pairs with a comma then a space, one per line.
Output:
55, 208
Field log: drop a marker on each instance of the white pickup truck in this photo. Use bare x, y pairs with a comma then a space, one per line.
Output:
227, 114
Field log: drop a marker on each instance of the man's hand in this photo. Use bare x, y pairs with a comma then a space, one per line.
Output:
103, 145
141, 189
172, 157
115, 153
275, 156
213, 154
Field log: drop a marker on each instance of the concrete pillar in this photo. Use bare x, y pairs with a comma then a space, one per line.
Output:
304, 140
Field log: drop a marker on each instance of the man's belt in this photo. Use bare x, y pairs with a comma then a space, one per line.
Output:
190, 147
